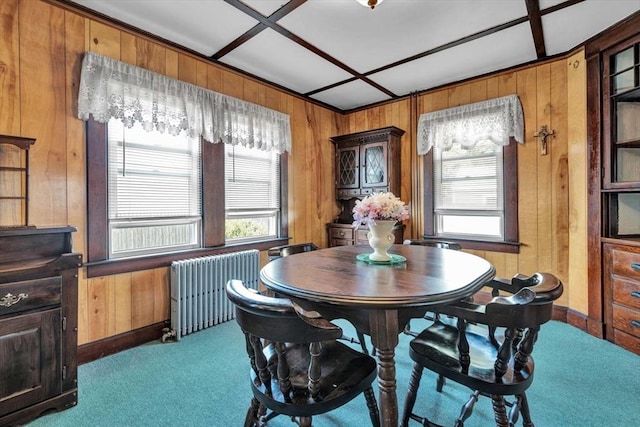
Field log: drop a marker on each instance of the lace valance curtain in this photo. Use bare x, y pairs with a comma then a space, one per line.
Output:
113, 89
496, 120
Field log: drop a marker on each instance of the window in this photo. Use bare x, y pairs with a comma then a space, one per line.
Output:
151, 202
473, 197
252, 193
154, 191
156, 185
468, 194
470, 175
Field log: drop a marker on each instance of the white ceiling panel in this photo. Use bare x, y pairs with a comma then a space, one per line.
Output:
351, 95
563, 32
495, 52
279, 60
396, 29
200, 25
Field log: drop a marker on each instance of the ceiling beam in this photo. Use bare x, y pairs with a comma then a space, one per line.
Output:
535, 21
248, 35
271, 23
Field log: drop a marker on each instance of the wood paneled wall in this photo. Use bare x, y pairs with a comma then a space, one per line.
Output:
543, 181
41, 47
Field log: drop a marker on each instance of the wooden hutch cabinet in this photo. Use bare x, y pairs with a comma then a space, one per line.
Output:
366, 162
38, 322
614, 183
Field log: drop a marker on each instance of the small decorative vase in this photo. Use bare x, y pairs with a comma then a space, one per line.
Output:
381, 239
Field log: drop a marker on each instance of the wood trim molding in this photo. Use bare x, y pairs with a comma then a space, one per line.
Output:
114, 344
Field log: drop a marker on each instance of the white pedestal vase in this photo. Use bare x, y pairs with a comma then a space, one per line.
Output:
380, 239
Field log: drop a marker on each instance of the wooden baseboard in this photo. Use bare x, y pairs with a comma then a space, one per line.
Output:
111, 345
105, 347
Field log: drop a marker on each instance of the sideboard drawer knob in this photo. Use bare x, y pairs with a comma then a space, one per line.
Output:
635, 294
635, 266
635, 323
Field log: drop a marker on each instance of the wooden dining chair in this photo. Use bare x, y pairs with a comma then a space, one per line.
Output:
297, 248
294, 248
466, 348
298, 368
442, 244
433, 243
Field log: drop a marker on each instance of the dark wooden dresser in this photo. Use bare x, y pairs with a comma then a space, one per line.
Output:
622, 295
38, 322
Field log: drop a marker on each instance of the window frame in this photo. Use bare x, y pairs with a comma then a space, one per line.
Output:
213, 211
242, 163
510, 244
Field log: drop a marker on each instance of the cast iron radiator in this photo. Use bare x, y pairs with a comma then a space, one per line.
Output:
198, 296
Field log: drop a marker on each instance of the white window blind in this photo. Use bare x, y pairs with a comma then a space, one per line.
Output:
252, 193
154, 197
468, 191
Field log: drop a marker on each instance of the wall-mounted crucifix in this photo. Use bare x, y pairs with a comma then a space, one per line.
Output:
544, 134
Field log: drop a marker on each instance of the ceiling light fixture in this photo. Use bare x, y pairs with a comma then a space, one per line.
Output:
370, 3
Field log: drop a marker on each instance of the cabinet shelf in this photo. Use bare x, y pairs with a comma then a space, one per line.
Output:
633, 187
629, 95
629, 143
14, 177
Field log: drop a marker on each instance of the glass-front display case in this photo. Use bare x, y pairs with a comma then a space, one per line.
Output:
621, 150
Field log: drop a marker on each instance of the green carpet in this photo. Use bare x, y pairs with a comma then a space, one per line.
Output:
202, 381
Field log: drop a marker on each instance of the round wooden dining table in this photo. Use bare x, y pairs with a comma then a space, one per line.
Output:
378, 299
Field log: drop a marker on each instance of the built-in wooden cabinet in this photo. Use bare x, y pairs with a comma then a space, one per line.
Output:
613, 99
366, 162
38, 322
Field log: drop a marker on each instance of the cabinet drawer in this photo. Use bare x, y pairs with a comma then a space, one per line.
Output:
341, 242
342, 193
361, 237
626, 293
341, 233
627, 341
625, 263
30, 294
626, 320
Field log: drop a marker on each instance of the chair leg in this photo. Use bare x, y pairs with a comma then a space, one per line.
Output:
303, 421
251, 420
514, 412
407, 330
467, 409
363, 343
372, 405
412, 393
524, 410
499, 410
440, 383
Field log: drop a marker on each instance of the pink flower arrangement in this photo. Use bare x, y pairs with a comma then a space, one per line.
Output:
379, 206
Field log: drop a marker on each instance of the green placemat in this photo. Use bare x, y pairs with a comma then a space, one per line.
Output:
395, 259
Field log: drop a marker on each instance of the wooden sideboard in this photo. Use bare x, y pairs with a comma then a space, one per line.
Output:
345, 235
38, 322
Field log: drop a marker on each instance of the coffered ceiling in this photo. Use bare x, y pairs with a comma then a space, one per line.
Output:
345, 56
